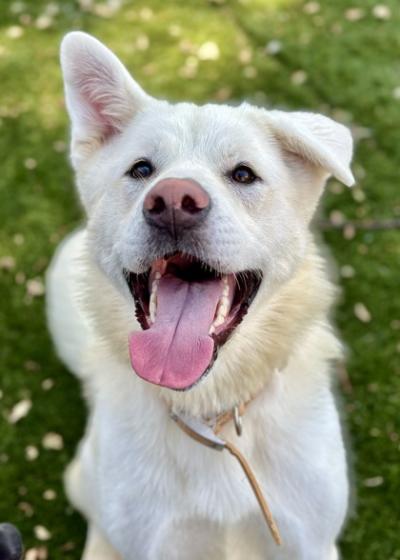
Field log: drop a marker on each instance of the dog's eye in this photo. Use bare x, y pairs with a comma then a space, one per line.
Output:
141, 169
244, 175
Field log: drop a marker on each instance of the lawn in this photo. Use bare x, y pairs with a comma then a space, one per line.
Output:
337, 57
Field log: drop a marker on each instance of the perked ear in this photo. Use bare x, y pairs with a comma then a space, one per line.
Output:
317, 139
101, 96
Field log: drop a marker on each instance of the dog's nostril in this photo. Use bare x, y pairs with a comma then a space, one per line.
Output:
189, 205
158, 205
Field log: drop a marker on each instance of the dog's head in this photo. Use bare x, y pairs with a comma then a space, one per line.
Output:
192, 211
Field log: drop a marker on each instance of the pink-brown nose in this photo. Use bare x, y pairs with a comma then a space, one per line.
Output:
175, 205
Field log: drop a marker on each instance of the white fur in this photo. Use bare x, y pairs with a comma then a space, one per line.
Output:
148, 491
67, 321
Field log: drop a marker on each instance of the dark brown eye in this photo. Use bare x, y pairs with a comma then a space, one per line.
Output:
244, 175
141, 169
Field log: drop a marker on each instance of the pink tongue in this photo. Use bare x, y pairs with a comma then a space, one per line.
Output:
176, 350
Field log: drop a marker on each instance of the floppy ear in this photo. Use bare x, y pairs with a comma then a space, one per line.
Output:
101, 96
317, 139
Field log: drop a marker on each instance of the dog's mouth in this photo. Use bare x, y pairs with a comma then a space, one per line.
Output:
187, 311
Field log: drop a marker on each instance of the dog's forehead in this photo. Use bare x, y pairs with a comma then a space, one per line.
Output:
197, 129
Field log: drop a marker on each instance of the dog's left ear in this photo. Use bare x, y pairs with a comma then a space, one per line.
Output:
101, 95
316, 139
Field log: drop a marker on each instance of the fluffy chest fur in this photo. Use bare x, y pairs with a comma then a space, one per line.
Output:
148, 475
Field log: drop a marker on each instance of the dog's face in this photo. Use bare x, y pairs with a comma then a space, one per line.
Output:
194, 213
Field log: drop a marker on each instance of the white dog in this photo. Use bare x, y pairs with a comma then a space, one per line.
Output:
194, 289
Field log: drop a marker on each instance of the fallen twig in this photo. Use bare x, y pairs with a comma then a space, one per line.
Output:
370, 225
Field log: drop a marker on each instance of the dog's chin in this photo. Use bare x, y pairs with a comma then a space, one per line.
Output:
187, 311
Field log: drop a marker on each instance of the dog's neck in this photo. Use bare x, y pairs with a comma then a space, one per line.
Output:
209, 435
219, 421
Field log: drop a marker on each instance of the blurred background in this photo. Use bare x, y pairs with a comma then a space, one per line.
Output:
341, 58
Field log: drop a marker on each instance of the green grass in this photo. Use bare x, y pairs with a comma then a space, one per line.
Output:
352, 70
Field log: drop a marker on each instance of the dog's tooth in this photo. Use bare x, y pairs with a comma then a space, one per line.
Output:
223, 306
152, 307
218, 311
153, 301
154, 286
218, 321
223, 311
221, 315
157, 276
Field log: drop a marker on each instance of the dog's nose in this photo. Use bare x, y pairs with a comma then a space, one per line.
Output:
176, 204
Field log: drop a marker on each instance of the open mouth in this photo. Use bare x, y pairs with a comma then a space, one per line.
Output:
187, 311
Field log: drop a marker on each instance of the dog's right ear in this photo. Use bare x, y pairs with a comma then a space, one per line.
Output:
101, 96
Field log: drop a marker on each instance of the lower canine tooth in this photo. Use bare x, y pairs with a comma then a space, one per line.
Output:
219, 320
153, 305
223, 309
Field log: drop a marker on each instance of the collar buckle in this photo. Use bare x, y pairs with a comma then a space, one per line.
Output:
237, 420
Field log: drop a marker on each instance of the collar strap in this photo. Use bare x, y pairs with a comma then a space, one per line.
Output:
203, 433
